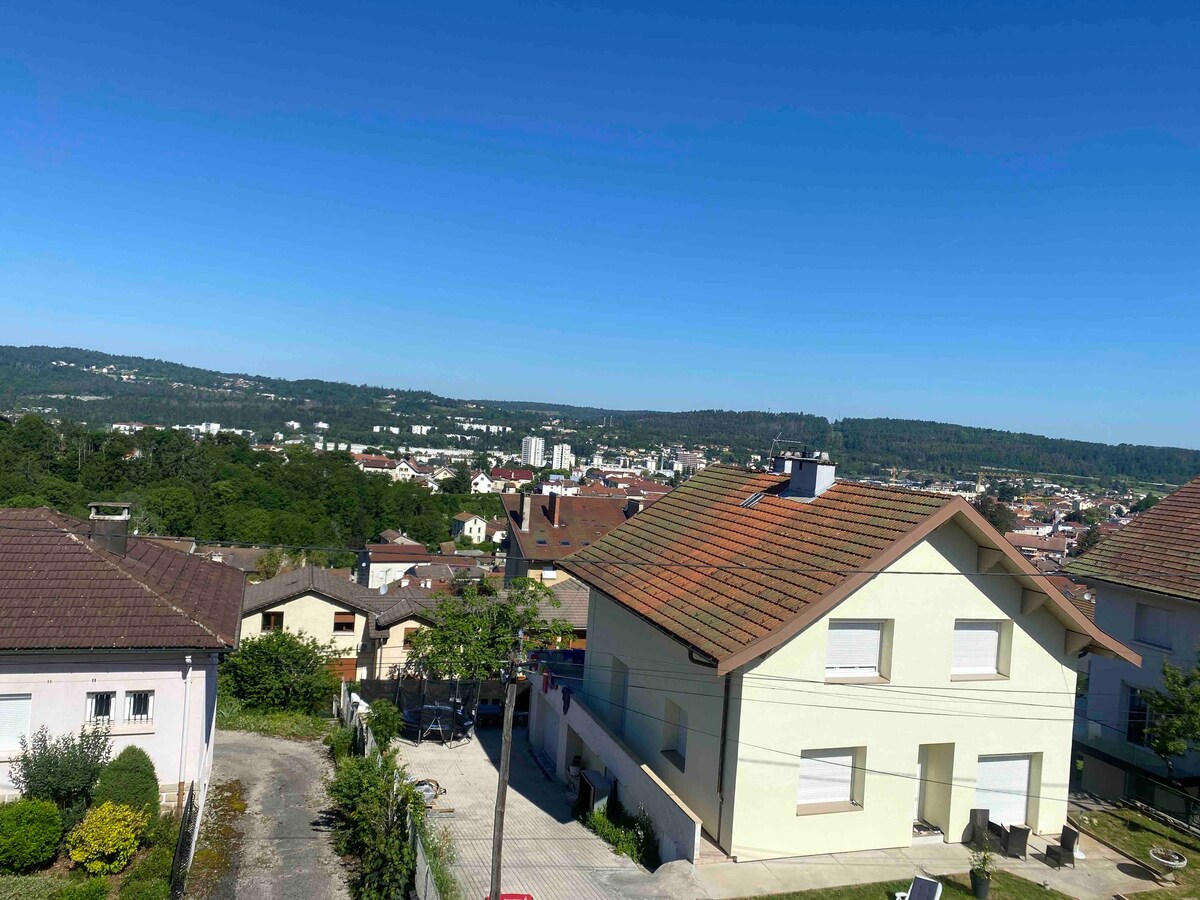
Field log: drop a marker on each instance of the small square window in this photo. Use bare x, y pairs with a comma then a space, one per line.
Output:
343, 623
139, 706
976, 649
100, 707
272, 621
408, 636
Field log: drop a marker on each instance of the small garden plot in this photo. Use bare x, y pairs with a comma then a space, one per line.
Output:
1137, 834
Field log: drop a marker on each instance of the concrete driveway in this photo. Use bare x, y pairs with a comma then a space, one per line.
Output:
265, 834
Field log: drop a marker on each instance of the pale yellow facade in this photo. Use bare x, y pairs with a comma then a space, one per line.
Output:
313, 614
392, 656
782, 705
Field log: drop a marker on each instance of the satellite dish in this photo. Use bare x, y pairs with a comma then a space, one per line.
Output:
383, 589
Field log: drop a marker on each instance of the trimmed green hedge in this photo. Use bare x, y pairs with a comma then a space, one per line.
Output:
29, 834
129, 779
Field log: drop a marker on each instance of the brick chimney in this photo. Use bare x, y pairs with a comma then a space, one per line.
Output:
555, 508
526, 510
109, 526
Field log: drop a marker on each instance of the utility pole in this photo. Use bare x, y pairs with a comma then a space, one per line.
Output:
510, 702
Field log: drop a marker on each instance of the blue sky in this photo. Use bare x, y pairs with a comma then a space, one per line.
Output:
981, 213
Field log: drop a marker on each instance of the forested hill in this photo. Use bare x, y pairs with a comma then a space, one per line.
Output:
66, 383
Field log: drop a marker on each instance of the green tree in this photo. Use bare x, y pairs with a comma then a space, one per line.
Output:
1000, 516
172, 510
459, 482
1173, 715
1087, 541
280, 670
1147, 502
473, 635
62, 769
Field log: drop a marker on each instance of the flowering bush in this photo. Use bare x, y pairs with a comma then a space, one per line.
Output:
105, 841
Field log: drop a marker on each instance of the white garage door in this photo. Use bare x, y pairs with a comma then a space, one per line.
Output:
1002, 788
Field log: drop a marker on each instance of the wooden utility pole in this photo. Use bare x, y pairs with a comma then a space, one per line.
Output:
510, 702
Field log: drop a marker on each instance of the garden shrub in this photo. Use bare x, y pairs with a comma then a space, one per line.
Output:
162, 832
154, 866
63, 769
129, 779
631, 836
385, 721
145, 890
341, 743
357, 788
92, 889
29, 834
107, 838
280, 670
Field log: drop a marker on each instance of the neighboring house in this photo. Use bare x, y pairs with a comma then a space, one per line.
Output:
497, 531
481, 483
373, 464
409, 469
506, 481
1034, 547
1146, 580
380, 564
470, 526
544, 528
391, 536
104, 628
812, 666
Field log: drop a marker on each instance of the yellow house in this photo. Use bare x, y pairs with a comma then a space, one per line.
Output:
368, 630
815, 666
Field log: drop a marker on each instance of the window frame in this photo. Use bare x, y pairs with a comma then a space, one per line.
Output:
1142, 725
26, 699
271, 617
880, 672
1139, 635
90, 716
851, 803
130, 717
999, 669
339, 618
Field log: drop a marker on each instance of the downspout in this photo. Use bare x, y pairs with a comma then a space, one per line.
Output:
187, 715
721, 763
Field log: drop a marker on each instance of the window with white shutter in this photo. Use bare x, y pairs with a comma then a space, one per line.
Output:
976, 648
1152, 625
14, 719
853, 649
826, 777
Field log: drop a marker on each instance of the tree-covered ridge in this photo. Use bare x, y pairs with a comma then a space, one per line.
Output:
168, 393
219, 489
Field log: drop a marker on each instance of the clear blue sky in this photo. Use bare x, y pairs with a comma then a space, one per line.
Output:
979, 213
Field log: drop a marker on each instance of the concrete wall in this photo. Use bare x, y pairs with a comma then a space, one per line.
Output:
786, 707
1109, 680
312, 614
177, 743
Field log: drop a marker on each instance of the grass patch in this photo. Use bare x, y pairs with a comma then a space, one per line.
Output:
1004, 887
631, 836
440, 854
1136, 834
31, 887
212, 863
232, 716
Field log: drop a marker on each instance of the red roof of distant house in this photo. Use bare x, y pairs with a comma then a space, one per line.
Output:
582, 520
373, 461
398, 553
468, 516
1033, 542
60, 590
513, 474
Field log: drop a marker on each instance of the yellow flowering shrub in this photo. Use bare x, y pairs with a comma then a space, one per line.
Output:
105, 841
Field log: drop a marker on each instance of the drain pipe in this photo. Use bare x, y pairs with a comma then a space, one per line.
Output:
721, 762
187, 715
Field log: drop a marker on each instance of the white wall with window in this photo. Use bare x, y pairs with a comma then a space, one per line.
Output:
1153, 625
827, 780
978, 648
855, 649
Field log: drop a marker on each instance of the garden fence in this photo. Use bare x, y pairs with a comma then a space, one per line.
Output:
188, 822
1169, 801
424, 887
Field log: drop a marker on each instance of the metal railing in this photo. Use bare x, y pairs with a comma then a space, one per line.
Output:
1168, 800
424, 886
188, 822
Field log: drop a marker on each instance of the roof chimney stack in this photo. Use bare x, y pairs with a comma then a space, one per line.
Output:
110, 529
555, 508
526, 509
812, 474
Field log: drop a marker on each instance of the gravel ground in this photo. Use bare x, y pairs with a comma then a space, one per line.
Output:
266, 833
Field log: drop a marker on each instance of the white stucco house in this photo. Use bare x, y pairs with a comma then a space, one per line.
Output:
470, 526
105, 629
1146, 582
481, 483
781, 664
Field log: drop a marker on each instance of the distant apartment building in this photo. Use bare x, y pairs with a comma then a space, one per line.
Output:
292, 425
689, 460
420, 429
533, 452
562, 457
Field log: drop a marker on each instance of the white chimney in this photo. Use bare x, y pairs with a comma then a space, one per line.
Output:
812, 475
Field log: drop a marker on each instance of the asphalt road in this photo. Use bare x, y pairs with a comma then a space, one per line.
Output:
279, 846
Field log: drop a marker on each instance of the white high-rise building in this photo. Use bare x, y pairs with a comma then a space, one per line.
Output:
562, 458
533, 452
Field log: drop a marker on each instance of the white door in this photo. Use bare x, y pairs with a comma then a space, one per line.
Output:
1002, 788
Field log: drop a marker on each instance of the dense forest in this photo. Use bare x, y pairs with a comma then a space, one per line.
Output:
168, 393
219, 489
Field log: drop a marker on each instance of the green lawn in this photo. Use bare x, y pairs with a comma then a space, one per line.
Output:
30, 887
1004, 887
1136, 834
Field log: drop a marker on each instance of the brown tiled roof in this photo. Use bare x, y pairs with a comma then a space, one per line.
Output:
1034, 542
573, 595
1158, 551
467, 516
582, 521
512, 474
398, 552
731, 568
59, 590
310, 579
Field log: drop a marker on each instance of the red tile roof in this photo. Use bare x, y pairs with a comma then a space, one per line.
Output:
582, 521
731, 568
512, 474
398, 552
1158, 551
59, 590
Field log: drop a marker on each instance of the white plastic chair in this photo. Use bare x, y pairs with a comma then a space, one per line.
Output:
922, 888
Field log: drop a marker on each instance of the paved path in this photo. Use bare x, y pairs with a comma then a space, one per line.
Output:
546, 852
281, 848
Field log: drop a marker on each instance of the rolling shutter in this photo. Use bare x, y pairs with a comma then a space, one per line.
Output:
14, 719
826, 776
976, 648
853, 648
1002, 788
1152, 625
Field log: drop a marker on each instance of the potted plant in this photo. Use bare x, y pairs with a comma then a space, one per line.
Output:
982, 867
576, 765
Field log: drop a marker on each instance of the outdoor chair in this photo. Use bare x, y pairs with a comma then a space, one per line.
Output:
1065, 848
922, 888
1014, 841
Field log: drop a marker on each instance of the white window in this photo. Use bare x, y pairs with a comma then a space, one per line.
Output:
853, 649
1152, 625
675, 733
976, 648
100, 708
826, 776
14, 719
139, 706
